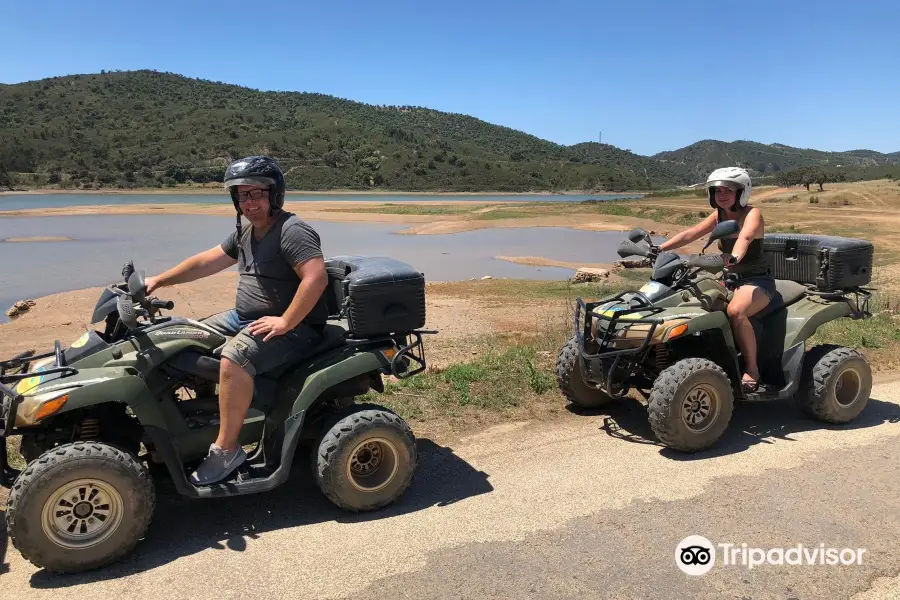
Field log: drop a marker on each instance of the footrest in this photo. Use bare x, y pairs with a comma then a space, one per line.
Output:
242, 473
765, 393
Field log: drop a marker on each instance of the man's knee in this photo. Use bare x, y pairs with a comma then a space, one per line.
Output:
235, 362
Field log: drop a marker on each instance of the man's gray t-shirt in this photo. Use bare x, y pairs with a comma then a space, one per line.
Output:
268, 281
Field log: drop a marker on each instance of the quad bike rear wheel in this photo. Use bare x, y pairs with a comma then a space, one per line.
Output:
365, 459
836, 384
690, 404
571, 384
80, 506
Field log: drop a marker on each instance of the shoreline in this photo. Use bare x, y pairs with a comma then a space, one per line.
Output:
36, 238
200, 191
342, 212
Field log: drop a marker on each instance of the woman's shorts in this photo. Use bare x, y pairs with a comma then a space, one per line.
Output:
766, 284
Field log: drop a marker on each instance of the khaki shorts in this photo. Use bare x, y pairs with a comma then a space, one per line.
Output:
254, 355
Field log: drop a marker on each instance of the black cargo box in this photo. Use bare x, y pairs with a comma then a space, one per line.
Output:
828, 262
382, 295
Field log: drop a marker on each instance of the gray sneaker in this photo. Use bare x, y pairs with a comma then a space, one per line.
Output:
218, 465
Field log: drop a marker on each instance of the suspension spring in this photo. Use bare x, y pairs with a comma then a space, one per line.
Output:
661, 354
90, 429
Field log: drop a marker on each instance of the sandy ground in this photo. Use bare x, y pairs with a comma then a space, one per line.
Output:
588, 506
539, 261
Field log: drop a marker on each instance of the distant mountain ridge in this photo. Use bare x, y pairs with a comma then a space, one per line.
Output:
766, 159
150, 129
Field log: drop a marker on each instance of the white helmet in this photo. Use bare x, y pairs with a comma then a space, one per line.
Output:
734, 178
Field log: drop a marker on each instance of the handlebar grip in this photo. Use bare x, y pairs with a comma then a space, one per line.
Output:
707, 261
166, 304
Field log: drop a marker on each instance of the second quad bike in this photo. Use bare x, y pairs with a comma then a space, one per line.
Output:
138, 396
672, 341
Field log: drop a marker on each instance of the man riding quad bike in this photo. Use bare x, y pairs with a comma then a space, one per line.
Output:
672, 339
145, 392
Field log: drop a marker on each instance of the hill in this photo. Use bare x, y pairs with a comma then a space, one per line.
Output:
767, 159
145, 128
150, 129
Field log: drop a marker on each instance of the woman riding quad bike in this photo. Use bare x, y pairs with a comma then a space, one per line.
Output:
707, 330
729, 192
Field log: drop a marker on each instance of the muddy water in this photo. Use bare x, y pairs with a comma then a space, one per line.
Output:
23, 201
101, 244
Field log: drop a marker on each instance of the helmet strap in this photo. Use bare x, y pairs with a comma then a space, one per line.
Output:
737, 199
239, 231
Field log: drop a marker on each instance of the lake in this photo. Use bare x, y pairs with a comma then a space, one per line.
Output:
102, 243
24, 201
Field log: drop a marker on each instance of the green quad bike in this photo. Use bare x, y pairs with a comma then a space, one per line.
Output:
139, 396
672, 340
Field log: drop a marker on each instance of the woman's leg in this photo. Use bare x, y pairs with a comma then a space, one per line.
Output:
747, 301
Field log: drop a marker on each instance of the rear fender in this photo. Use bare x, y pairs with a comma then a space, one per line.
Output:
807, 315
355, 365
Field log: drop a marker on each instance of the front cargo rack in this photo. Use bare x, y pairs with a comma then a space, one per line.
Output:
23, 361
605, 351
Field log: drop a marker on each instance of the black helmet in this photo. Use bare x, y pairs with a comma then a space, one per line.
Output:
256, 170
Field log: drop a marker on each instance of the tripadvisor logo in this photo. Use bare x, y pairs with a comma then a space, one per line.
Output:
696, 555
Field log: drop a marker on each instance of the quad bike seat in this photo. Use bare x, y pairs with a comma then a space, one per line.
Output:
786, 293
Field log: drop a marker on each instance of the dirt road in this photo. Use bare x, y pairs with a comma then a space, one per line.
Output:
586, 506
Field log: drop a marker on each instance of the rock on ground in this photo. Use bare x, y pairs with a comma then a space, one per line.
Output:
586, 274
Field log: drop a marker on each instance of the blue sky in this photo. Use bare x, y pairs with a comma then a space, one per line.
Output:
651, 75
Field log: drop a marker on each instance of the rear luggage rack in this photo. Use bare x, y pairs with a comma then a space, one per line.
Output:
408, 352
414, 351
861, 295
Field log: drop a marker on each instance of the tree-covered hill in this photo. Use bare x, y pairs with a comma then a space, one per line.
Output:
145, 128
149, 129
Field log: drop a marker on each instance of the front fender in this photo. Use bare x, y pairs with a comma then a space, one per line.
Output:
90, 388
713, 320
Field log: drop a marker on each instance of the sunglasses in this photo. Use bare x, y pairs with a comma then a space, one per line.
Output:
252, 195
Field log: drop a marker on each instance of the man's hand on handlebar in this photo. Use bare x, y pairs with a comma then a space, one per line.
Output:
152, 284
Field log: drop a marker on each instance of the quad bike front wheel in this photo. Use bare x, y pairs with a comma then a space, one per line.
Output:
569, 378
690, 404
365, 459
836, 384
79, 506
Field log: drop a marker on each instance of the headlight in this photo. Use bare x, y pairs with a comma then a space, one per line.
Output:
32, 409
633, 336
